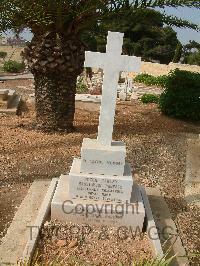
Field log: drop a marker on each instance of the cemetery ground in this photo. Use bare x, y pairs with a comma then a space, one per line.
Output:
156, 149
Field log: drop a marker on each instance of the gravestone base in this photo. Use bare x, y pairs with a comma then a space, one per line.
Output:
9, 101
100, 159
108, 188
129, 213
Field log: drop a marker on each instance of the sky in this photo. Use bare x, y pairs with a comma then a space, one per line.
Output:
190, 14
184, 35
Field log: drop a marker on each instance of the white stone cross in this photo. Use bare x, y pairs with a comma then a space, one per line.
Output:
112, 62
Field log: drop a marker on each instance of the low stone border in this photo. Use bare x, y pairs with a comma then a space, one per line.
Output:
151, 226
12, 111
16, 77
22, 235
168, 233
192, 179
41, 217
14, 242
88, 98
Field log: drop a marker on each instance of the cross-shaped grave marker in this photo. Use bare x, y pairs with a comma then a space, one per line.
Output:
112, 62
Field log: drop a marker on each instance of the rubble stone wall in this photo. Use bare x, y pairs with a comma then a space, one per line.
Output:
156, 69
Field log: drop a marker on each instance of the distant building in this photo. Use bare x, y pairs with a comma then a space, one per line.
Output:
16, 41
3, 40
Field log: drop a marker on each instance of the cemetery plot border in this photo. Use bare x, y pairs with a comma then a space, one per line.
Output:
43, 214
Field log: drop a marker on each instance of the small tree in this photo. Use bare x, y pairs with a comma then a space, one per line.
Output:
178, 53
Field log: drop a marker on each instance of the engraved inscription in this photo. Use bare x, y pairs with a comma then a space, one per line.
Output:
107, 189
99, 162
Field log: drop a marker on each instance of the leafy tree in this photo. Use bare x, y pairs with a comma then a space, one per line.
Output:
178, 53
162, 47
191, 45
56, 53
145, 35
193, 58
191, 53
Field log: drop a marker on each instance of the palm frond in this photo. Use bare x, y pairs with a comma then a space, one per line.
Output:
164, 3
45, 15
177, 22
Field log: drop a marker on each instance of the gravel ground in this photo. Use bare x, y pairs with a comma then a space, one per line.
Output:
156, 148
189, 230
73, 244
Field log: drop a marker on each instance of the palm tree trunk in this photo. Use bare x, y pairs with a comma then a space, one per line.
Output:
55, 101
55, 61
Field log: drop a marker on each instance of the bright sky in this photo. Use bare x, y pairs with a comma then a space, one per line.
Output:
184, 35
190, 14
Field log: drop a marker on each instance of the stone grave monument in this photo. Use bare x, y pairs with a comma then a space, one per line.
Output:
8, 100
100, 188
127, 89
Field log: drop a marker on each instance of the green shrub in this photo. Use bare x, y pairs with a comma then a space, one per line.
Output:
3, 54
81, 87
150, 98
181, 97
161, 81
145, 78
13, 66
150, 80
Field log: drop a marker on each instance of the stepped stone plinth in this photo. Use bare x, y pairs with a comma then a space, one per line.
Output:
99, 188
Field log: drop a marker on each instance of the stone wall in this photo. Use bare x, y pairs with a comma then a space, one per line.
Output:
14, 53
156, 69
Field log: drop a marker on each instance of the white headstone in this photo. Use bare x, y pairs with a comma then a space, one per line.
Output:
101, 179
112, 62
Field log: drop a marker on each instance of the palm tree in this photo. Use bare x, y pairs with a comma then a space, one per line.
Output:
55, 55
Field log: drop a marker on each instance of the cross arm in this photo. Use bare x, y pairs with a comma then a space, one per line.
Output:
95, 59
